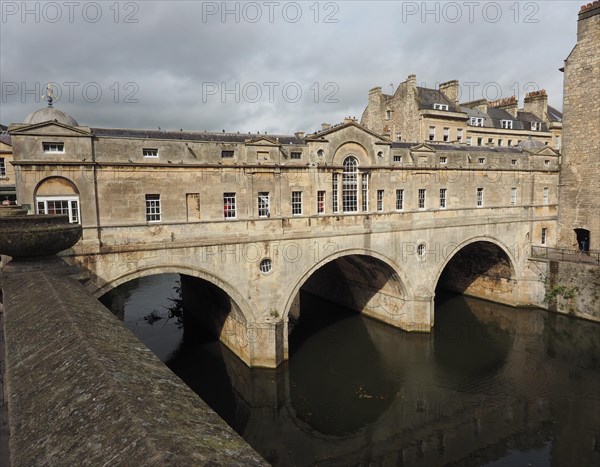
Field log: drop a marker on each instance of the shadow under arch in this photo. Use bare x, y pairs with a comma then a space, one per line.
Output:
365, 257
55, 185
481, 267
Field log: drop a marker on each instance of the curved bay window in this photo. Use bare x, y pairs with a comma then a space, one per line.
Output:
350, 185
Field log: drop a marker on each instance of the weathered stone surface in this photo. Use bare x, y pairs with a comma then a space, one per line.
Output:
82, 390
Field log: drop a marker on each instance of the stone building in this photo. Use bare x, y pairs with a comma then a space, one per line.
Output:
579, 215
7, 173
420, 114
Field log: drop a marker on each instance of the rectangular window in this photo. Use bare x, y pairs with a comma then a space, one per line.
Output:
509, 143
397, 158
2, 168
431, 133
380, 200
481, 160
55, 148
500, 142
490, 140
469, 141
446, 134
296, 155
479, 197
320, 202
507, 124
459, 135
148, 152
153, 208
476, 121
334, 192
229, 205
513, 196
443, 160
388, 114
226, 153
546, 195
443, 198
513, 162
544, 235
264, 204
398, 136
422, 198
296, 203
59, 205
479, 141
547, 163
440, 106
365, 192
399, 200
536, 126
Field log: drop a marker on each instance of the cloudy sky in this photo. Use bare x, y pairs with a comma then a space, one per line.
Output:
272, 66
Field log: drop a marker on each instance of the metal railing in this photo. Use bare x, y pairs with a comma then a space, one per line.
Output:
564, 254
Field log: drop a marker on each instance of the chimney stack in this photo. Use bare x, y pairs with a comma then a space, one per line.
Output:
510, 104
536, 102
451, 90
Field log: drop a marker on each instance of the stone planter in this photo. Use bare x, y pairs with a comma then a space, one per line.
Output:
33, 236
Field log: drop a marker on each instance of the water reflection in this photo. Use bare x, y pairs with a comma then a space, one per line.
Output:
493, 385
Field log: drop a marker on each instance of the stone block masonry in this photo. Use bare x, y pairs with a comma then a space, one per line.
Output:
83, 390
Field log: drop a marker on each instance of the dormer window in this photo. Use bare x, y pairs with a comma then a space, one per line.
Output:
54, 148
440, 106
536, 126
507, 124
476, 121
150, 152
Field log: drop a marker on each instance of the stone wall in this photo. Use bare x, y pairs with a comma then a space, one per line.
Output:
580, 169
82, 389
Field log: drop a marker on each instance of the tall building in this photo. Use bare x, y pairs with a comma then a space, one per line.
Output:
579, 213
420, 114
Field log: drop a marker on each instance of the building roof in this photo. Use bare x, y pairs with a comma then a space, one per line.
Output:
192, 135
459, 147
50, 114
5, 138
427, 97
554, 115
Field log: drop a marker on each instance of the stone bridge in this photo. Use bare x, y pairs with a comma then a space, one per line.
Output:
386, 266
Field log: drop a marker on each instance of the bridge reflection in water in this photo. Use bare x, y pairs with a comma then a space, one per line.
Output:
492, 385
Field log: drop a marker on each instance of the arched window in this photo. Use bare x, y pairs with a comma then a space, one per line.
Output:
350, 185
57, 195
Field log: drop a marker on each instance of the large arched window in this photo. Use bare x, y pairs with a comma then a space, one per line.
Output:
350, 185
57, 195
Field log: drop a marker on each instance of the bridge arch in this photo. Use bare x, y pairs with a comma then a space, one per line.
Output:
384, 297
488, 269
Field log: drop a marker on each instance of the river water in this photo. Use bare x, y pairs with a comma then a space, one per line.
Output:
492, 386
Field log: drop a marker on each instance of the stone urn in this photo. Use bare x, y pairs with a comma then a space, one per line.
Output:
34, 236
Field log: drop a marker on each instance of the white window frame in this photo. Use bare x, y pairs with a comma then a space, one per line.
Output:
446, 134
73, 208
150, 152
440, 107
431, 133
469, 140
400, 199
153, 208
334, 193
536, 126
476, 121
459, 135
53, 147
443, 198
480, 197
296, 203
264, 204
350, 185
321, 201
513, 196
364, 183
380, 195
443, 160
506, 124
422, 198
229, 205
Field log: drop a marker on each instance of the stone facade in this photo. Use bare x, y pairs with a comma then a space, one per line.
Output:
257, 216
7, 172
420, 114
580, 170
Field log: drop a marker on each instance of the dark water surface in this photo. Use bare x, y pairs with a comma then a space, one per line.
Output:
492, 386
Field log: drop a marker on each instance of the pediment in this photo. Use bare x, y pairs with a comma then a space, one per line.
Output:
547, 151
262, 141
49, 129
422, 147
351, 129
